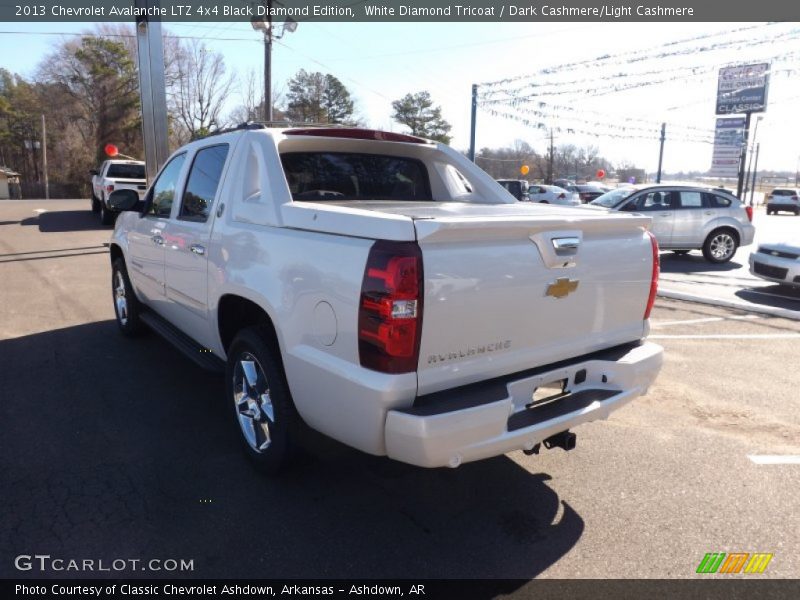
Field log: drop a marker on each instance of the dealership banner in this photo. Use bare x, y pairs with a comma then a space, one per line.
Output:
728, 142
742, 89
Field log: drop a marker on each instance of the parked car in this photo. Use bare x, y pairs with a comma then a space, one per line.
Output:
778, 262
115, 175
600, 185
688, 218
586, 193
551, 194
783, 200
516, 187
563, 183
341, 278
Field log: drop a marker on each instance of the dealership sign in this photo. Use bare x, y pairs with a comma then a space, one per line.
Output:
742, 89
728, 142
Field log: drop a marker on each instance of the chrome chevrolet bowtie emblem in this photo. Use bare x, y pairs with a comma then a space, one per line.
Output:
562, 287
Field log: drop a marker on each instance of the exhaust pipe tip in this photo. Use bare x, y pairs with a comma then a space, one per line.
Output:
565, 439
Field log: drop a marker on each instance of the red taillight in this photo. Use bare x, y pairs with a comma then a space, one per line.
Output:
749, 211
794, 197
390, 311
109, 188
653, 278
562, 196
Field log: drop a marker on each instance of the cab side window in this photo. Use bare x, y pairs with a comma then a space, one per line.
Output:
163, 191
202, 183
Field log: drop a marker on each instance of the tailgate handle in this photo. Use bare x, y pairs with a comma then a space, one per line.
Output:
566, 243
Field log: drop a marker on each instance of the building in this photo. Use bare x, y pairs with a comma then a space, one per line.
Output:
9, 184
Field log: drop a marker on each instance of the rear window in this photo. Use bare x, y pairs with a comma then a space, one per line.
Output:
350, 176
126, 171
784, 193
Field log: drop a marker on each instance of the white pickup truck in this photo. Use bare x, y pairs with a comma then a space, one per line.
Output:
385, 291
115, 175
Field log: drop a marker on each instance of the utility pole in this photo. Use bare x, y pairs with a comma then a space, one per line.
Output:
268, 64
661, 151
44, 160
743, 156
755, 170
552, 158
472, 125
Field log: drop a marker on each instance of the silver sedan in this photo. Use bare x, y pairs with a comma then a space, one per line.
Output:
778, 262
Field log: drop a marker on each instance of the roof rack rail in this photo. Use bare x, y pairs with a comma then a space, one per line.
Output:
239, 127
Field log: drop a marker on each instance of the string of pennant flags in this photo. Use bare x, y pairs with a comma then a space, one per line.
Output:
603, 130
708, 72
647, 131
654, 53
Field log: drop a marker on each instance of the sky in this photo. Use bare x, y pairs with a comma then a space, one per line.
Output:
381, 62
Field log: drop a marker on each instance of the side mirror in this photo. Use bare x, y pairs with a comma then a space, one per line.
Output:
94, 172
124, 200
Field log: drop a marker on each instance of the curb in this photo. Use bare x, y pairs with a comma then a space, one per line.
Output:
743, 306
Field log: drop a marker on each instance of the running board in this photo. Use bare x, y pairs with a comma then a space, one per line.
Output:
194, 351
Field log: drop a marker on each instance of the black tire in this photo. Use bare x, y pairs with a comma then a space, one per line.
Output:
127, 307
95, 204
769, 212
681, 252
273, 448
715, 240
107, 217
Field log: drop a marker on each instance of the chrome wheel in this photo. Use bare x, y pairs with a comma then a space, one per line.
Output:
119, 298
253, 403
722, 246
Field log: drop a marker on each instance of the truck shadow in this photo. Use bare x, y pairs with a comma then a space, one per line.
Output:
120, 448
59, 221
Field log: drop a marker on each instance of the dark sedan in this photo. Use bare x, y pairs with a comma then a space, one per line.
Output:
586, 193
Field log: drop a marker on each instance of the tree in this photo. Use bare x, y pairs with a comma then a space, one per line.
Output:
417, 112
99, 75
199, 90
505, 163
318, 98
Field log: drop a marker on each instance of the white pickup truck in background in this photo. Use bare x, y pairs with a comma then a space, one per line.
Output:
116, 175
385, 291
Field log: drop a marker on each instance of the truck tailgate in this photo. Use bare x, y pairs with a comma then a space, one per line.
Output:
500, 296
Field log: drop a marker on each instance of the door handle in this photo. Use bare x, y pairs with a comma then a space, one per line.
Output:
664, 214
157, 239
708, 212
197, 249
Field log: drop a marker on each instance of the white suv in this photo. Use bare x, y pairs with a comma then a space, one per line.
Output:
783, 199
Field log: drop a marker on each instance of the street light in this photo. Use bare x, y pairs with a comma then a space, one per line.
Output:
265, 25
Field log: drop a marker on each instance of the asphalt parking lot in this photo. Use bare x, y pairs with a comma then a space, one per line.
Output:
115, 448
